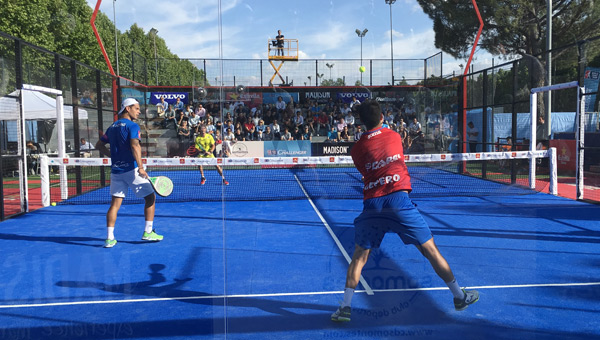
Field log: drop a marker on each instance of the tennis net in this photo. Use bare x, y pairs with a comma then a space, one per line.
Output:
288, 178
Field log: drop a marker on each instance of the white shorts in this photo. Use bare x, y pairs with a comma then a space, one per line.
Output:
119, 183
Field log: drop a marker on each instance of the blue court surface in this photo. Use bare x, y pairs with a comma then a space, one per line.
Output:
276, 270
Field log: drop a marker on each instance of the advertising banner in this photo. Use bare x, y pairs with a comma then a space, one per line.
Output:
170, 97
317, 96
271, 97
590, 81
251, 100
565, 154
346, 97
293, 148
247, 149
332, 149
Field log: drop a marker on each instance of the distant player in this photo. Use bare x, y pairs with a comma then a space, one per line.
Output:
126, 155
379, 157
205, 143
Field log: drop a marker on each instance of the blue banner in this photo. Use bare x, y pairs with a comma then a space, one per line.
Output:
590, 81
346, 97
271, 97
293, 148
170, 97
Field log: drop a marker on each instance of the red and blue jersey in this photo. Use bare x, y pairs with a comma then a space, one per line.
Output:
379, 157
119, 136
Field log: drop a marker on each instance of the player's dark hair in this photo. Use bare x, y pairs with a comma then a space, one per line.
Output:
369, 112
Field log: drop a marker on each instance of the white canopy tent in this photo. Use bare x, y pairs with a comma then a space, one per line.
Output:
38, 106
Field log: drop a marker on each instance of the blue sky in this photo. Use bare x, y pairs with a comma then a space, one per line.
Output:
324, 28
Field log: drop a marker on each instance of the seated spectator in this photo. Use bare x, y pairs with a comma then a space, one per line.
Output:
389, 117
346, 110
359, 132
332, 135
297, 134
349, 119
228, 141
86, 148
417, 144
188, 110
251, 134
261, 126
306, 134
162, 107
414, 128
181, 117
298, 119
194, 122
276, 129
183, 133
210, 128
341, 125
178, 105
280, 105
200, 111
239, 135
32, 157
268, 134
248, 126
322, 122
507, 146
218, 140
404, 135
286, 135
86, 100
344, 135
170, 117
258, 136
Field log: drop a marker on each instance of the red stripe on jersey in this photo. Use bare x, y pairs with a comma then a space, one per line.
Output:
379, 157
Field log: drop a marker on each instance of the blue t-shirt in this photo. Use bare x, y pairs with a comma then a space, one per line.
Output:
119, 136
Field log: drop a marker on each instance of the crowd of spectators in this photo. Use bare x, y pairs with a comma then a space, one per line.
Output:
334, 121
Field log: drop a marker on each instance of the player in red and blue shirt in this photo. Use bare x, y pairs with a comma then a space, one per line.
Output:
126, 173
379, 157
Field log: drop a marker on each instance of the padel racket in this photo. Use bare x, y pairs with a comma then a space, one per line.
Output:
162, 185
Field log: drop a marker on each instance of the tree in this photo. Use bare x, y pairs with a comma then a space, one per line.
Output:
331, 82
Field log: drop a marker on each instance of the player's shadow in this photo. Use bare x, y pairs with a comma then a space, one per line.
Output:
70, 240
154, 287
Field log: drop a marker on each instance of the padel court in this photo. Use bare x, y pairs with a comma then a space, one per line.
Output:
269, 268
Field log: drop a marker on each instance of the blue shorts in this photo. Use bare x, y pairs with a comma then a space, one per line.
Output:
391, 213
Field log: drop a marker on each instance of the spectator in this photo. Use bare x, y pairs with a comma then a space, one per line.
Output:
170, 117
183, 133
210, 128
239, 135
341, 125
248, 126
358, 133
354, 102
218, 140
322, 122
32, 157
250, 135
261, 126
344, 135
280, 105
188, 110
404, 135
228, 141
298, 119
178, 104
194, 122
279, 40
472, 135
332, 135
258, 135
410, 112
286, 135
162, 107
349, 119
297, 134
268, 134
86, 148
86, 100
414, 128
306, 134
276, 129
181, 117
417, 144
346, 109
200, 111
389, 117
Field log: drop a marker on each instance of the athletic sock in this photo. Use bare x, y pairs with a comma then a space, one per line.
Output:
348, 292
111, 233
455, 289
148, 228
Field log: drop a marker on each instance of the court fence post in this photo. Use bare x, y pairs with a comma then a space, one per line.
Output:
45, 180
553, 172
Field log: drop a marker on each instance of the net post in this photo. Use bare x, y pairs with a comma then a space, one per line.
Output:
553, 172
22, 149
60, 124
579, 144
532, 138
45, 180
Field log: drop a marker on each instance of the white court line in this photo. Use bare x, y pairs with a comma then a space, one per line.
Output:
208, 297
337, 241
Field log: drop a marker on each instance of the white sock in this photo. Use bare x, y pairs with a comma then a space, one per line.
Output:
111, 233
348, 292
455, 289
148, 228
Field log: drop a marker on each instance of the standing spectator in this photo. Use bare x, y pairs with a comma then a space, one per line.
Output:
183, 133
280, 42
472, 135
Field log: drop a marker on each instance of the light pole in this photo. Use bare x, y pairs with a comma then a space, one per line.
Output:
116, 40
361, 35
330, 66
154, 31
309, 79
391, 2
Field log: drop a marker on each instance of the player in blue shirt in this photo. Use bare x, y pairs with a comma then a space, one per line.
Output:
126, 154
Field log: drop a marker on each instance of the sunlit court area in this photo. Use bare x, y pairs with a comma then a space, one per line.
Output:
215, 170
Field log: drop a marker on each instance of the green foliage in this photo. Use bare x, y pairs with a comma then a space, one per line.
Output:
331, 82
